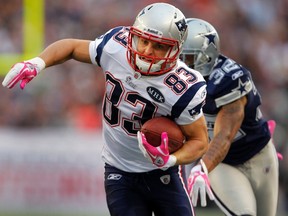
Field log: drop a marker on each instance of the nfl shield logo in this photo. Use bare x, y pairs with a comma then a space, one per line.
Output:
165, 179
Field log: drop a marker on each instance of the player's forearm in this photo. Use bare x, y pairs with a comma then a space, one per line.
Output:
218, 149
228, 122
225, 129
196, 142
63, 50
191, 151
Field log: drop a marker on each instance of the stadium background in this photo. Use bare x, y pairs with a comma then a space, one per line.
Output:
50, 134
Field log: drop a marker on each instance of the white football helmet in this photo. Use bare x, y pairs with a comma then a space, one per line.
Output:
161, 23
202, 47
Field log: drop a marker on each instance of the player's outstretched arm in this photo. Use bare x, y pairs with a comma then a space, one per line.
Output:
63, 50
56, 53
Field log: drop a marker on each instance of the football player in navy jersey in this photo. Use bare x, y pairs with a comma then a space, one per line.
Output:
240, 169
144, 79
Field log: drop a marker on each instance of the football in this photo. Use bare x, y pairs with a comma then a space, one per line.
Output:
154, 127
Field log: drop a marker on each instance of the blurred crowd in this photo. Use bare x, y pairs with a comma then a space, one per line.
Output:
253, 32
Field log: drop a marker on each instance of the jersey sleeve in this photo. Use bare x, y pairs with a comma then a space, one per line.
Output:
96, 47
231, 87
193, 111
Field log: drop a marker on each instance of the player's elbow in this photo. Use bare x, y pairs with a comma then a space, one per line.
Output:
203, 147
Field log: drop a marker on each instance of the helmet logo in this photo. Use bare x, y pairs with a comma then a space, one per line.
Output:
210, 37
182, 26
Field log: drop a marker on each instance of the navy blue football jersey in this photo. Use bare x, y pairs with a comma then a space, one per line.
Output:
228, 82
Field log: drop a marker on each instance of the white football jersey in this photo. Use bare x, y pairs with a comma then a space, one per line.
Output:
131, 99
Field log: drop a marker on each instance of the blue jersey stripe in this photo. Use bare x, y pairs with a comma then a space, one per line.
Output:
185, 99
105, 39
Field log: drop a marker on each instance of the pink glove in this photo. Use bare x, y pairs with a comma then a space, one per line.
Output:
158, 155
198, 182
272, 126
24, 72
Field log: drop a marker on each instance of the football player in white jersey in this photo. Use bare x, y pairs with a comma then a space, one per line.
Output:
144, 79
241, 160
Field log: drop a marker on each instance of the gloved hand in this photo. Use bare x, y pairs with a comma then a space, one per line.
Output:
24, 72
198, 182
272, 126
158, 155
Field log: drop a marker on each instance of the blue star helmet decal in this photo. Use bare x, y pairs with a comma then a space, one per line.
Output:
210, 37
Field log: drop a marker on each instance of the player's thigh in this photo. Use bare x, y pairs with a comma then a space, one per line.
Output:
233, 191
122, 199
169, 193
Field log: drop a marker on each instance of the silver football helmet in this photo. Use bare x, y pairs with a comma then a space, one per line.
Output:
202, 47
161, 23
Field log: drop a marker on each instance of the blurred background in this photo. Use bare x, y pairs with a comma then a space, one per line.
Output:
50, 133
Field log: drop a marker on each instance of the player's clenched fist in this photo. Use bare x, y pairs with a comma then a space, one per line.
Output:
23, 72
159, 156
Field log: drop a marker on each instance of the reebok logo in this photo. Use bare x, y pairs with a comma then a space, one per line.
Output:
114, 177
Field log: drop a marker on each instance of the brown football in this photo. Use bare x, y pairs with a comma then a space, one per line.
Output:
154, 127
